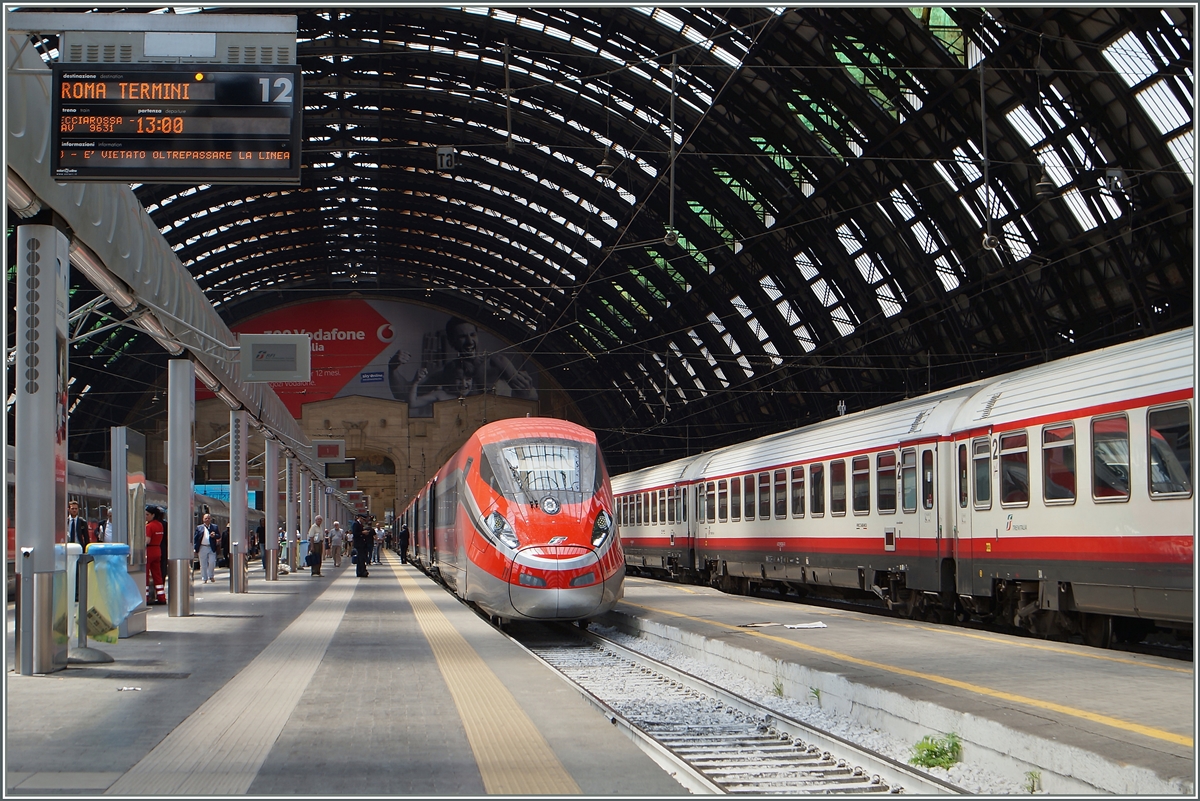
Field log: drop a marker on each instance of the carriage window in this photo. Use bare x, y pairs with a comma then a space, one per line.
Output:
670, 504
639, 508
797, 492
781, 498
816, 489
981, 458
908, 479
1058, 464
963, 476
700, 496
723, 501
885, 482
654, 511
622, 511
764, 496
927, 478
749, 486
1170, 443
662, 506
837, 487
683, 496
1014, 469
735, 499
860, 484
1110, 459
712, 502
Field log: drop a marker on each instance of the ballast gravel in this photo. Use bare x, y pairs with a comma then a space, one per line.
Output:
971, 778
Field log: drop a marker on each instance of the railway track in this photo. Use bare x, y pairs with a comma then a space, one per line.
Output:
712, 740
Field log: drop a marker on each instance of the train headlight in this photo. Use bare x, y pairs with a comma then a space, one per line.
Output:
602, 527
501, 529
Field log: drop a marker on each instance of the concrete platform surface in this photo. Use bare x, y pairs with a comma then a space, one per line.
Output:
318, 686
1089, 720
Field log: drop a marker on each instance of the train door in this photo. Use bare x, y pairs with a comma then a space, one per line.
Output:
926, 574
962, 516
432, 502
677, 521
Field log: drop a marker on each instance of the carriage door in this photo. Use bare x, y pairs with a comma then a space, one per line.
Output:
432, 501
928, 527
962, 515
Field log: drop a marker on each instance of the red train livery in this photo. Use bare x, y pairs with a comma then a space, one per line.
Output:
520, 523
1056, 498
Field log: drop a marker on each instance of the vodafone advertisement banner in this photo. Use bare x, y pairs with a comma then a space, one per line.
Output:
394, 350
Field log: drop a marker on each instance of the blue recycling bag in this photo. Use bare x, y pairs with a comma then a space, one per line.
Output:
118, 593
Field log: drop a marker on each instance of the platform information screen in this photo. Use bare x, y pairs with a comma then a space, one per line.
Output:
176, 123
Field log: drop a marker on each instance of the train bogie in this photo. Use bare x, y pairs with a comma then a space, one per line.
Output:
1056, 499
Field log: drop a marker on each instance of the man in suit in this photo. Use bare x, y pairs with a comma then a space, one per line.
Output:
77, 527
363, 537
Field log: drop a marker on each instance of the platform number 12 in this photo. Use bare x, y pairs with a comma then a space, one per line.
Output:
284, 87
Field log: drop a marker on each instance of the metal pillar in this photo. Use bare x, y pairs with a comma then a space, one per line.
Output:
270, 527
128, 467
305, 511
291, 480
181, 448
239, 435
40, 370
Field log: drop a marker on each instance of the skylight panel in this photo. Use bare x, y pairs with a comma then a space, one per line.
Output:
1055, 167
1184, 148
967, 165
1079, 207
1130, 59
1026, 125
1016, 241
1163, 107
946, 273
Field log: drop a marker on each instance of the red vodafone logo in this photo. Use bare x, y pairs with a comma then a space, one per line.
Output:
384, 333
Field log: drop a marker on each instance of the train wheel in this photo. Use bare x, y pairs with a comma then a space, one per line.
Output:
1097, 630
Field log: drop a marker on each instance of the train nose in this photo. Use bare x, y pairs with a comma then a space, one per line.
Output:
556, 581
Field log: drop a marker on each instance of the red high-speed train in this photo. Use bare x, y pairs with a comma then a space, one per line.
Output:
520, 523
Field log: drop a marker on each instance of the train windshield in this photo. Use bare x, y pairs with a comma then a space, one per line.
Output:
529, 470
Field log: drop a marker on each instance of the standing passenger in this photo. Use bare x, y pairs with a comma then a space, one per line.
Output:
316, 537
156, 592
205, 541
404, 543
361, 534
337, 538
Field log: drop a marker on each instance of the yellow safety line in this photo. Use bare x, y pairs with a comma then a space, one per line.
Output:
513, 756
1082, 654
1095, 717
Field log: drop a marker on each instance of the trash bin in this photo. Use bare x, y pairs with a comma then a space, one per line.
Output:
112, 593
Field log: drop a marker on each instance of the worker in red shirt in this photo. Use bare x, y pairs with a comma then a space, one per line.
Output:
156, 592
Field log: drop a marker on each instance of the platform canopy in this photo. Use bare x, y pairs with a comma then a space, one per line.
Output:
852, 224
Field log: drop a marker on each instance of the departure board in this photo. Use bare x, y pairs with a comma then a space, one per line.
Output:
176, 123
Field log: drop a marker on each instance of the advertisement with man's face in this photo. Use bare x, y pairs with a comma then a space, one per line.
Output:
394, 350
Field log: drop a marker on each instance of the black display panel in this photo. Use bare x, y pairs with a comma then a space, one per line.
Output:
176, 123
340, 469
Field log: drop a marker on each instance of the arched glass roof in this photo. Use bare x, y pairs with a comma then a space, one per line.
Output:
833, 196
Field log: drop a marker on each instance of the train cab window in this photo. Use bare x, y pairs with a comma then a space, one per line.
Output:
735, 499
964, 476
748, 483
816, 490
764, 496
712, 502
885, 482
1014, 469
662, 506
981, 462
1058, 464
1110, 458
927, 479
860, 484
1170, 444
723, 501
797, 492
837, 487
908, 479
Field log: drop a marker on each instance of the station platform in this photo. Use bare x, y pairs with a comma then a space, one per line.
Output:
1088, 720
333, 685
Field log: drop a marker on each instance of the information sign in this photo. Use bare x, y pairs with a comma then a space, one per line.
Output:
176, 123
